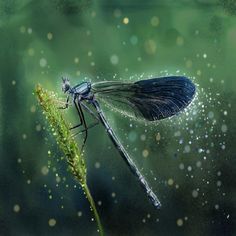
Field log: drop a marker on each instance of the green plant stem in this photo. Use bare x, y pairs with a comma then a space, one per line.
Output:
94, 209
67, 144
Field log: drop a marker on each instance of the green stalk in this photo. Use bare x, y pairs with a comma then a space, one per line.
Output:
93, 207
67, 144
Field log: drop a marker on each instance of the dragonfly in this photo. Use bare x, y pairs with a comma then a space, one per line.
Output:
149, 100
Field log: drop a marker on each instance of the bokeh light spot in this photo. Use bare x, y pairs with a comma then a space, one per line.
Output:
170, 181
52, 222
31, 51
114, 59
125, 20
179, 222
179, 41
150, 46
44, 170
16, 208
42, 62
145, 153
155, 21
49, 36
158, 137
195, 193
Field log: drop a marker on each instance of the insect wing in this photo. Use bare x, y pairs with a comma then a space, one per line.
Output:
151, 99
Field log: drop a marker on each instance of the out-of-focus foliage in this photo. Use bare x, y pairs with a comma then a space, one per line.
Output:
188, 160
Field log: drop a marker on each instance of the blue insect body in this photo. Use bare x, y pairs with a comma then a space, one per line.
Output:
149, 100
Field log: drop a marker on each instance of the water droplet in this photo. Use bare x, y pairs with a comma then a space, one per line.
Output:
49, 36
143, 137
97, 165
170, 182
16, 208
187, 149
155, 21
189, 168
125, 20
79, 213
195, 193
114, 59
224, 128
44, 170
181, 166
211, 115
179, 40
132, 136
52, 222
29, 31
158, 137
42, 62
133, 40
199, 164
145, 153
31, 51
180, 222
76, 60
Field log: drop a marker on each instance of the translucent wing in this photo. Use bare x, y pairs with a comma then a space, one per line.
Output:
151, 99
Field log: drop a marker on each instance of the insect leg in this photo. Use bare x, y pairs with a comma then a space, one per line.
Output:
92, 114
66, 104
90, 111
83, 121
76, 126
86, 108
89, 127
80, 116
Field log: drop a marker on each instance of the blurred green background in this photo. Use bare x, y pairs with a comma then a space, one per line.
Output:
189, 160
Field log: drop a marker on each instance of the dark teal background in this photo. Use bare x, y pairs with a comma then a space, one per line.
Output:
188, 160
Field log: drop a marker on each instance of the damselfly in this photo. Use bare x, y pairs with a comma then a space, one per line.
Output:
150, 100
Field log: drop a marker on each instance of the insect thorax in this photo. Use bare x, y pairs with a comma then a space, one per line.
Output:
83, 90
